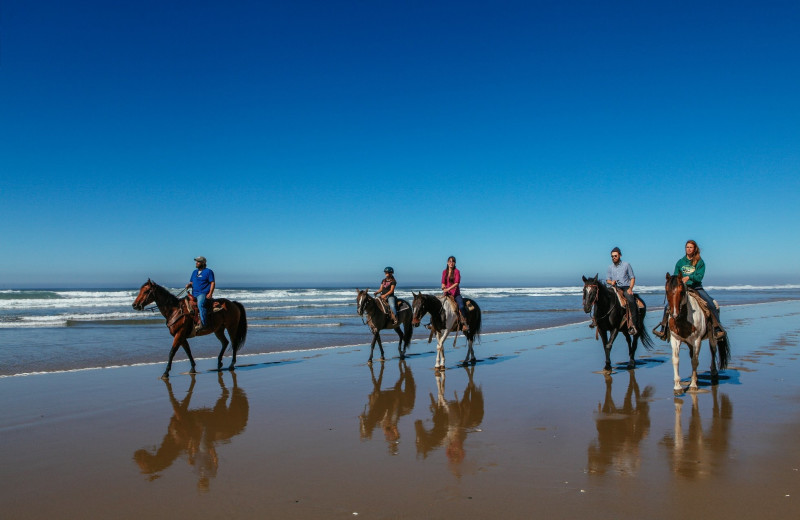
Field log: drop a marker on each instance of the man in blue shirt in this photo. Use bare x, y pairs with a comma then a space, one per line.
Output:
202, 284
620, 275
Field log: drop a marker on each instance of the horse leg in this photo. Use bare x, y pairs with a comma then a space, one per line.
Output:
400, 349
176, 342
440, 350
470, 353
695, 359
607, 347
712, 345
372, 347
188, 351
632, 343
380, 346
676, 349
220, 334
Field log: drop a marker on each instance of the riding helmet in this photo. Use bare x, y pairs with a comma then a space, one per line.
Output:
388, 269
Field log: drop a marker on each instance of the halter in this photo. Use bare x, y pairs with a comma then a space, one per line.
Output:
596, 297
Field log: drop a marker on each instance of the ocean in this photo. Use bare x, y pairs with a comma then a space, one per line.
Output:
60, 330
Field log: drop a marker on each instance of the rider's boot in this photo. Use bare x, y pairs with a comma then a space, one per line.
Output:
393, 320
593, 324
631, 328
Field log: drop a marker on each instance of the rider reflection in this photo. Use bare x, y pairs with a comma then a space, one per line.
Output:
197, 433
385, 407
620, 430
452, 421
697, 452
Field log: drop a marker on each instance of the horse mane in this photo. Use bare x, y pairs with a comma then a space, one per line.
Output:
163, 296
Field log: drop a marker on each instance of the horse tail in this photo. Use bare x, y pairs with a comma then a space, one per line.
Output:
644, 336
475, 326
724, 351
241, 329
408, 330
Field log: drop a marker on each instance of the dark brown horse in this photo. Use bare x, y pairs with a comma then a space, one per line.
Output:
378, 320
609, 316
181, 324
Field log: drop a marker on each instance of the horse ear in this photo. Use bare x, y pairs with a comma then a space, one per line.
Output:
596, 276
668, 276
584, 279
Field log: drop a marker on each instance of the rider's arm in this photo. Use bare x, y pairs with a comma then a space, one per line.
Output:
390, 291
211, 289
699, 272
633, 282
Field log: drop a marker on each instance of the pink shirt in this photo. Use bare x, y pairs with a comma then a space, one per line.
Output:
456, 279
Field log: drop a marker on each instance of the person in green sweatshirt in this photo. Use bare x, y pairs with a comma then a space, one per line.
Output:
692, 269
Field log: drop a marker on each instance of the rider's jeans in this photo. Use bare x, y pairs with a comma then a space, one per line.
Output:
201, 306
393, 302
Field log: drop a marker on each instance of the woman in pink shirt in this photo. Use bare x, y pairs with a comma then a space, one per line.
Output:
451, 278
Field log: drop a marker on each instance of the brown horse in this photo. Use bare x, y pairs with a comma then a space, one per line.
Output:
181, 324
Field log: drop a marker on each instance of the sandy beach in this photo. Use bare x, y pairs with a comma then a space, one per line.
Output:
534, 429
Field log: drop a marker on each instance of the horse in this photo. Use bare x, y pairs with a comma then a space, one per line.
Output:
444, 320
688, 324
609, 315
181, 324
378, 320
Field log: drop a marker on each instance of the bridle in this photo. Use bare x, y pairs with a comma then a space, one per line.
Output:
597, 297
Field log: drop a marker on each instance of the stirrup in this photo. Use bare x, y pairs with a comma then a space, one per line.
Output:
661, 334
720, 333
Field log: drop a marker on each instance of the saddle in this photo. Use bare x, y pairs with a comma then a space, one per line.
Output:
189, 307
703, 305
624, 301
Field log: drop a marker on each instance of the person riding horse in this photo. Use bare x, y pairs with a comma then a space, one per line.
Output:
451, 279
386, 291
692, 268
620, 275
202, 284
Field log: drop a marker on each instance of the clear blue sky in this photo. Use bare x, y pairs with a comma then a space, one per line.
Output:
316, 142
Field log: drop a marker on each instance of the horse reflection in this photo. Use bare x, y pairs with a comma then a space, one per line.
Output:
699, 451
452, 421
385, 407
197, 433
620, 430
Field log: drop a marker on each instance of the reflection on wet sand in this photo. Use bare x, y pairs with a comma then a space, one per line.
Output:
700, 452
620, 430
385, 407
197, 433
452, 421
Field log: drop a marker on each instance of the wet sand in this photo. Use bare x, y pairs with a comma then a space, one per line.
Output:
533, 429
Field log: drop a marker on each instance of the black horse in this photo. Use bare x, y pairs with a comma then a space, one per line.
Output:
609, 315
377, 319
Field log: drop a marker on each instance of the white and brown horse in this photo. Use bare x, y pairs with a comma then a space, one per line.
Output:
444, 320
688, 324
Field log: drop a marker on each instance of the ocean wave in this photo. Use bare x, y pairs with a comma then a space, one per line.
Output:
295, 325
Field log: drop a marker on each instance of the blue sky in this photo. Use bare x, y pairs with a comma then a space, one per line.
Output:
316, 142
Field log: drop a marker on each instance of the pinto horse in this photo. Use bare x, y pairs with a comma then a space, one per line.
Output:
688, 324
378, 320
181, 325
444, 320
609, 315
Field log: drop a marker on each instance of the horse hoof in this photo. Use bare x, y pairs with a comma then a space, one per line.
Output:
369, 362
192, 371
231, 368
165, 376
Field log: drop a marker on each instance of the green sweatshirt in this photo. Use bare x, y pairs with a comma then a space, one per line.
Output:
695, 273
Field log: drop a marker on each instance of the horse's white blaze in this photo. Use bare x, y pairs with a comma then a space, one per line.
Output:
695, 316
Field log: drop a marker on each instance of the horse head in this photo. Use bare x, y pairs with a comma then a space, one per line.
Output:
362, 297
676, 294
417, 308
591, 291
146, 295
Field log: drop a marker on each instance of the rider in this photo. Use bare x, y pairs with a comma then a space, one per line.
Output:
620, 275
202, 284
451, 279
386, 291
692, 268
